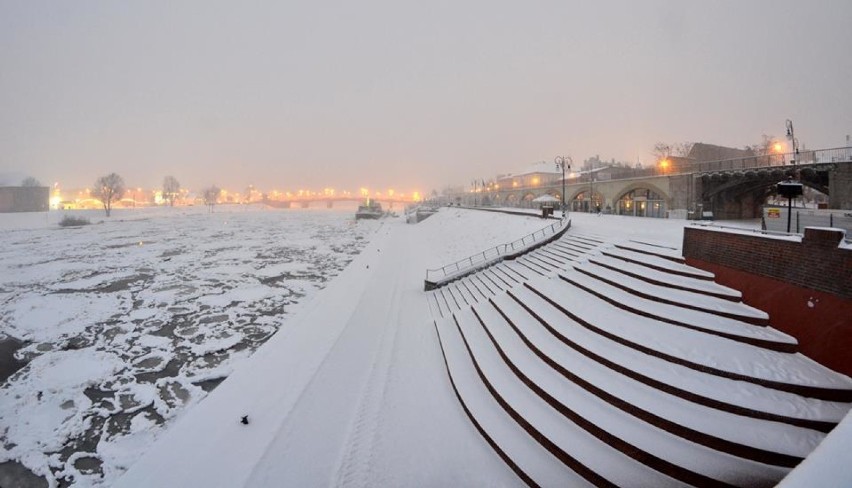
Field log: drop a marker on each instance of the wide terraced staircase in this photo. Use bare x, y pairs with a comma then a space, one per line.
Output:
604, 363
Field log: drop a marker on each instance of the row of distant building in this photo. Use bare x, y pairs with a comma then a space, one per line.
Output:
44, 198
37, 198
547, 173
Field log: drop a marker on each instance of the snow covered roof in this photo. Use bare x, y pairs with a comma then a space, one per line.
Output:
541, 167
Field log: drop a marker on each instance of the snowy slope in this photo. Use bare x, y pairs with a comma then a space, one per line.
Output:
354, 394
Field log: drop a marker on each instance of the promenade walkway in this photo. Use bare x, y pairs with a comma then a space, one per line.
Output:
599, 359
352, 392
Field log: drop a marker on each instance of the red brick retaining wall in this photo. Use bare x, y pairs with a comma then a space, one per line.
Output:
806, 287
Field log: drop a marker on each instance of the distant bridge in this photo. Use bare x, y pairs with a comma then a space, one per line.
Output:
730, 189
329, 201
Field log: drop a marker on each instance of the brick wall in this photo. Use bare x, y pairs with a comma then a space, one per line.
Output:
816, 262
805, 287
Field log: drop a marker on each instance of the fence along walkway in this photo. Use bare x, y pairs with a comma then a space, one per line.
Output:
556, 255
436, 278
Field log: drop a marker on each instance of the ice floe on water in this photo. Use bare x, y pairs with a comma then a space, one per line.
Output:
125, 323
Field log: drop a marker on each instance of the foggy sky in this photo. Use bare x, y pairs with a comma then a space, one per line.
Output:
403, 94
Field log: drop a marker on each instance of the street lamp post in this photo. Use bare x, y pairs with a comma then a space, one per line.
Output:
794, 143
591, 185
474, 192
561, 162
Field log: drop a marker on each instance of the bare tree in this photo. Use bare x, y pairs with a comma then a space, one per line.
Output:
767, 145
661, 150
30, 182
108, 189
171, 189
211, 196
682, 149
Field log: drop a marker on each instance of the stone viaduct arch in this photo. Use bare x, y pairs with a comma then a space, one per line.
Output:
729, 193
741, 194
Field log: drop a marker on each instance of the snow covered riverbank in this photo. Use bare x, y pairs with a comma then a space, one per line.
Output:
352, 389
129, 321
364, 398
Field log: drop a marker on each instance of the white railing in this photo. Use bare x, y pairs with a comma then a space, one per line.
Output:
485, 258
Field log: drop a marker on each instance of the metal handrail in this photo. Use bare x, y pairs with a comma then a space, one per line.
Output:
804, 156
483, 258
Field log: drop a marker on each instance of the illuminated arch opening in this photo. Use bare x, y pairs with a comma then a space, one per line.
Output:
641, 202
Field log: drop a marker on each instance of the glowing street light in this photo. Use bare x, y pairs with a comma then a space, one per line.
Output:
561, 163
778, 149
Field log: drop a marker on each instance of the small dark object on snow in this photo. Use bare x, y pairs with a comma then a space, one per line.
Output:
244, 420
368, 266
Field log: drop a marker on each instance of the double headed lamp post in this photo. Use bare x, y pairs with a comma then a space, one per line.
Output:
561, 163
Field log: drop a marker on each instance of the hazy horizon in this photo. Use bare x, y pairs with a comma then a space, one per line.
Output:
404, 95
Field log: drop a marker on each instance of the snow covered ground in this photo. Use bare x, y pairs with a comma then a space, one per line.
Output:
128, 322
354, 392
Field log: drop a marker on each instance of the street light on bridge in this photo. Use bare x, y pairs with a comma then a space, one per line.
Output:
794, 143
561, 163
778, 149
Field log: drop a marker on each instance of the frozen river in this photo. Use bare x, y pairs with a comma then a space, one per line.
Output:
125, 323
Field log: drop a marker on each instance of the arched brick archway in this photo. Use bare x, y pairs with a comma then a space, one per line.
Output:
642, 200
580, 201
644, 185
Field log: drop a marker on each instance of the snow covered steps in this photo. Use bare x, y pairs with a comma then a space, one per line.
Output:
715, 345
668, 280
558, 255
711, 315
557, 379
603, 439
660, 263
659, 251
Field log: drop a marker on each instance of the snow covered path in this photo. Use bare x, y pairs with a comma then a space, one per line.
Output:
352, 394
547, 382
